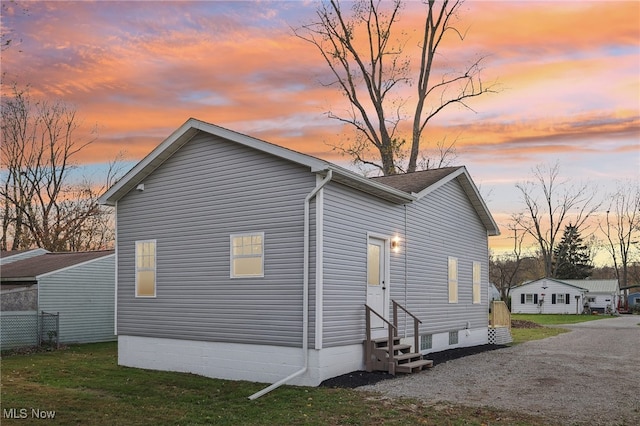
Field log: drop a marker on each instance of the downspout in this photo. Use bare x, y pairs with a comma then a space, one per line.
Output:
305, 293
406, 259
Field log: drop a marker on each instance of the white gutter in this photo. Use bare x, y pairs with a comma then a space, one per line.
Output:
305, 293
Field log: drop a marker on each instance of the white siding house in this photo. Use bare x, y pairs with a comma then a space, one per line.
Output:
240, 259
554, 296
79, 286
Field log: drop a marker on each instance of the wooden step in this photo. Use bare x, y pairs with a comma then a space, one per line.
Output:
408, 357
384, 341
398, 347
414, 366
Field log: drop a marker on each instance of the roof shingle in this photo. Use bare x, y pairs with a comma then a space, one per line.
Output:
49, 262
416, 181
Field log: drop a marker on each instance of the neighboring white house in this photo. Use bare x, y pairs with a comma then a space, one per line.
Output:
79, 286
243, 260
553, 296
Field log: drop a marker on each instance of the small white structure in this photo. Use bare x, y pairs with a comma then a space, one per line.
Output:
553, 296
602, 295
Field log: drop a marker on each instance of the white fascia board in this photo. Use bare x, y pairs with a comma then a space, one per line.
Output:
149, 163
474, 196
180, 137
77, 265
539, 280
260, 145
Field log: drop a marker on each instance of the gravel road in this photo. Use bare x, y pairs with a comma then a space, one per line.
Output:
590, 375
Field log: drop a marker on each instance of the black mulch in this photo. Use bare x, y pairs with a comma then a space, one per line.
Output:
361, 378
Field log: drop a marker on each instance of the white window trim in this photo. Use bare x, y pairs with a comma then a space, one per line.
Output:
231, 256
155, 267
454, 281
477, 283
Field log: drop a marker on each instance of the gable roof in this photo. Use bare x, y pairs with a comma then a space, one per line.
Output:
32, 268
550, 279
589, 285
192, 127
422, 183
400, 189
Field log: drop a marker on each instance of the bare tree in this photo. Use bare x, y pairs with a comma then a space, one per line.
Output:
510, 270
366, 55
41, 206
622, 229
550, 203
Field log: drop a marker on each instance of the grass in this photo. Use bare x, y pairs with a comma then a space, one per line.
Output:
521, 335
555, 319
84, 385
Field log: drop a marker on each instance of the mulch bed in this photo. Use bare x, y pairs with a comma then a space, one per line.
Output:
524, 324
362, 378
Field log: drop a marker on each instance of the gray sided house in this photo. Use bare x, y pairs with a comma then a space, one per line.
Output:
78, 286
243, 260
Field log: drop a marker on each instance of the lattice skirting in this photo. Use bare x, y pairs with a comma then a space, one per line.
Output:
500, 336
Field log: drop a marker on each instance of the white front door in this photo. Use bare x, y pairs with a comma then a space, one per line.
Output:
376, 276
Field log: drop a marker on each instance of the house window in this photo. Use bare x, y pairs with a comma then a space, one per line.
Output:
453, 280
146, 268
426, 342
560, 299
591, 299
477, 268
453, 337
529, 299
247, 255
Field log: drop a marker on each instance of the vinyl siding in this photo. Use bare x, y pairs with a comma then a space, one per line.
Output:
444, 224
84, 297
348, 216
207, 190
440, 225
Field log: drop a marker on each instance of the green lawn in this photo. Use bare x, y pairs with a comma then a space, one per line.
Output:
83, 385
554, 319
521, 335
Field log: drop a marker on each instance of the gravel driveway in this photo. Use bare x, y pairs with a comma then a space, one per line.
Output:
590, 375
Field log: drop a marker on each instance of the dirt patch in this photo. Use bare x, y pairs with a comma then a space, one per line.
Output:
524, 324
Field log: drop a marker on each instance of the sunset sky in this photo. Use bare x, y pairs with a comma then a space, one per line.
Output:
568, 74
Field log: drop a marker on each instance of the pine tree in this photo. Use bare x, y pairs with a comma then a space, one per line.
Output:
571, 257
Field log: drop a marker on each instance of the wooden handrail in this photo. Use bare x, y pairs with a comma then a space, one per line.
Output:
392, 332
416, 321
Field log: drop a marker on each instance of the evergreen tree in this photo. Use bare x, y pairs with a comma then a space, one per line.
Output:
571, 257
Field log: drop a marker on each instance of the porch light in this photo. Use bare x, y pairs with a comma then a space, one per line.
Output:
395, 244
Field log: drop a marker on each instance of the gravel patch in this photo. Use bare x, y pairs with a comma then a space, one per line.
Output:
589, 376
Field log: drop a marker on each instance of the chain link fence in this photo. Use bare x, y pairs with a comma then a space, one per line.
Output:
27, 329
